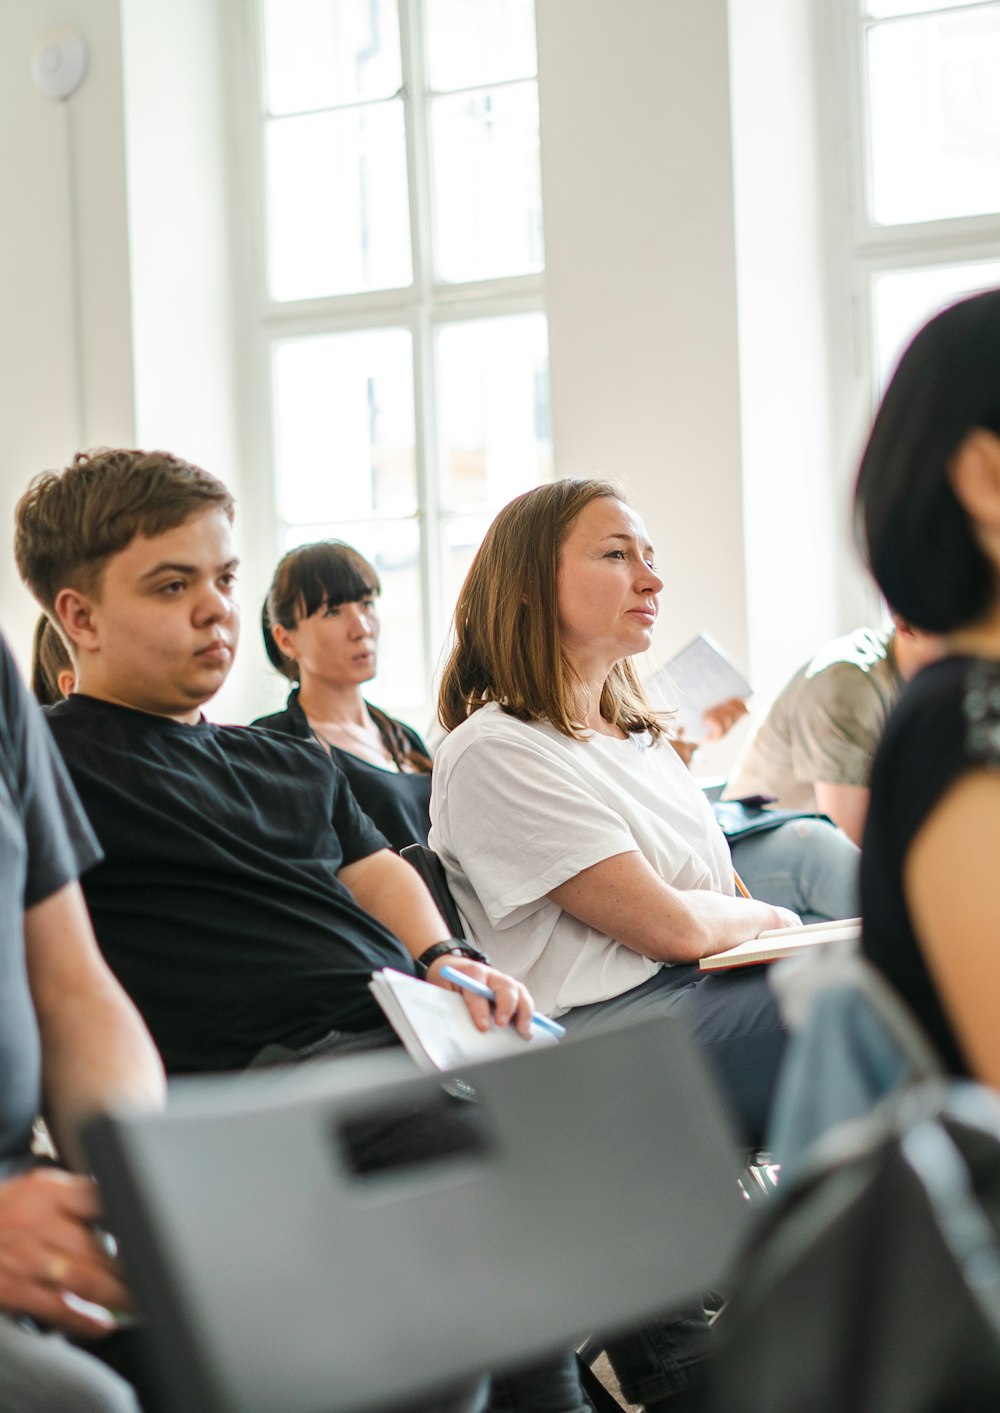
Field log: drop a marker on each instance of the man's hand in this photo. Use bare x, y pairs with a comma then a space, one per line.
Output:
48, 1249
513, 1001
720, 718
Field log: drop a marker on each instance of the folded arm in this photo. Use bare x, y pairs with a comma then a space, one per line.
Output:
626, 899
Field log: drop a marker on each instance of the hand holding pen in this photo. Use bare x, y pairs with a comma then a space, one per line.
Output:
478, 988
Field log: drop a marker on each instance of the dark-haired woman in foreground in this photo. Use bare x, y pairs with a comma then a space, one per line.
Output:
321, 628
928, 515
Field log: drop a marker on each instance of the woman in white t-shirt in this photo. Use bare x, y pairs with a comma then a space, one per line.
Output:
585, 859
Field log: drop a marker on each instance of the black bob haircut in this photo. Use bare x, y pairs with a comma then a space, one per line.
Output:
916, 538
327, 572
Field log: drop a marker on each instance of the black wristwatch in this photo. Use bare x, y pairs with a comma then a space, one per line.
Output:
455, 946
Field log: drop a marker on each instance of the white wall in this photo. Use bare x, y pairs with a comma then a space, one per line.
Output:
660, 360
177, 162
640, 281
804, 583
65, 339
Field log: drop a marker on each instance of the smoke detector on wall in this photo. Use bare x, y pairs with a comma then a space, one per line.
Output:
59, 63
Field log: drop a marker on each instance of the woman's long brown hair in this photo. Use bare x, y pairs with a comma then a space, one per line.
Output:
507, 645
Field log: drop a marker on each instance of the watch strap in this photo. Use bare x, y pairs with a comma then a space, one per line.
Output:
454, 946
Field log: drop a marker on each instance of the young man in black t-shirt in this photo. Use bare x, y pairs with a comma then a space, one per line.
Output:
244, 900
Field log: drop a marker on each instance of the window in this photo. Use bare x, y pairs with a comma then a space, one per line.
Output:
405, 340
929, 169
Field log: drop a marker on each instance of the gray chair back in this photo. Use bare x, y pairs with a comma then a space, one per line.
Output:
274, 1276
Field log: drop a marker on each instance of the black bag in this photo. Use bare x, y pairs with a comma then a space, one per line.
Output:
873, 1284
738, 819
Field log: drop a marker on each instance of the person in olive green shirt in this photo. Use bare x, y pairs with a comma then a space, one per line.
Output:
814, 748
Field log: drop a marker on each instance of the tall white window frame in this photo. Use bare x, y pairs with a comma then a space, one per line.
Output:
424, 309
880, 253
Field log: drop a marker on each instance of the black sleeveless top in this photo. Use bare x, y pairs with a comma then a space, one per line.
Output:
946, 723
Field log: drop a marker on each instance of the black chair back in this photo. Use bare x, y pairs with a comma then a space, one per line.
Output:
431, 870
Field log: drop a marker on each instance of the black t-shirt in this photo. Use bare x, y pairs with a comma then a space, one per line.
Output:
45, 843
218, 903
398, 802
946, 723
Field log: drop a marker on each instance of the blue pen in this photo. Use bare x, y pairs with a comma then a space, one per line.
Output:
478, 989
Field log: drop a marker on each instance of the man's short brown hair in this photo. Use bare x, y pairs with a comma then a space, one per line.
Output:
69, 523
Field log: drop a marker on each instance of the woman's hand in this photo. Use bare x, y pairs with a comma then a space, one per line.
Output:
512, 1000
783, 917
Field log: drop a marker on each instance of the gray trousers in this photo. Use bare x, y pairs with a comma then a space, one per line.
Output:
44, 1373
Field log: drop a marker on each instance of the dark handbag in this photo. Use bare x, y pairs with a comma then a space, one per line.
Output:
738, 819
873, 1284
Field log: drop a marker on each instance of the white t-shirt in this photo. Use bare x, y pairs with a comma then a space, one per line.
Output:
517, 808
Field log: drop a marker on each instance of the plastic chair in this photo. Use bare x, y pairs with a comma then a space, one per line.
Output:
760, 1175
872, 1285
431, 870
274, 1275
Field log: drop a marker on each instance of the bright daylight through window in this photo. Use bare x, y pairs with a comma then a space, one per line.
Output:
403, 251
930, 102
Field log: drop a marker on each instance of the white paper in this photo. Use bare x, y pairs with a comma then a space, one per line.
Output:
699, 677
436, 1028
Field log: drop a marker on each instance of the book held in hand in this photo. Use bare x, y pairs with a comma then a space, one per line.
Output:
436, 1028
696, 679
779, 942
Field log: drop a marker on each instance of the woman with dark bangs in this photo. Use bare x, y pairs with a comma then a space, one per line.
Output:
928, 514
321, 627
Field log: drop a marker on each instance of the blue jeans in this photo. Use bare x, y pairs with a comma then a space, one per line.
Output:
807, 865
550, 1387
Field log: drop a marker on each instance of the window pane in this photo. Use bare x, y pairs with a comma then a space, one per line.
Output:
493, 410
337, 213
462, 537
934, 99
881, 9
324, 53
903, 301
475, 43
393, 547
487, 183
343, 427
